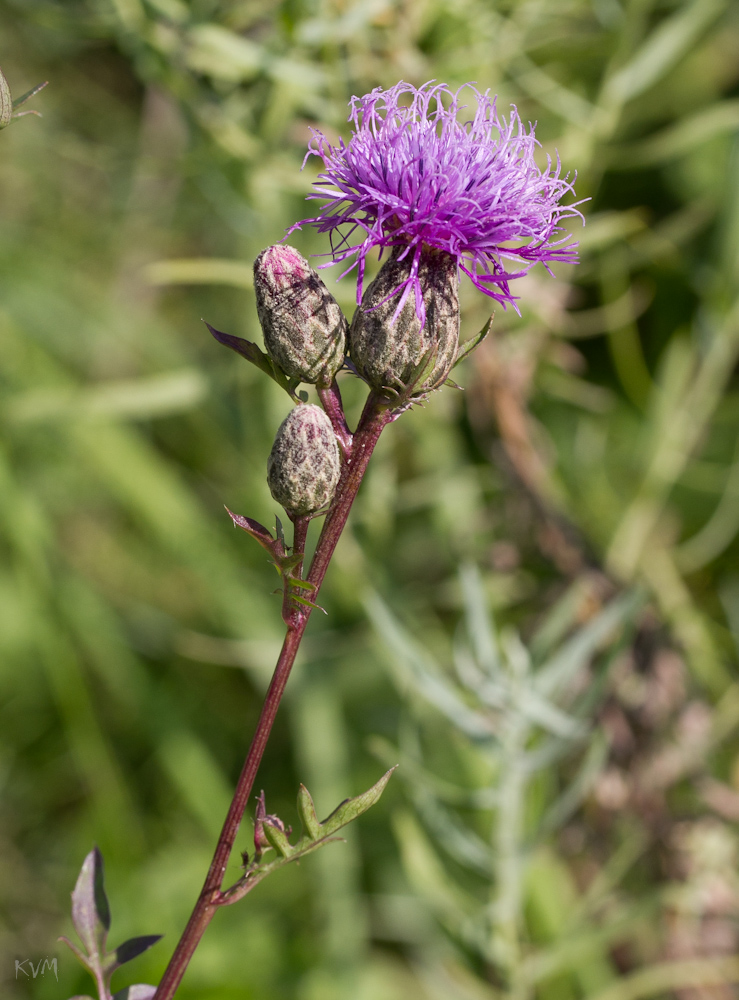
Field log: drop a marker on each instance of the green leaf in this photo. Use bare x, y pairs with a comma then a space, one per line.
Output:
473, 343
277, 838
315, 835
350, 809
307, 811
27, 97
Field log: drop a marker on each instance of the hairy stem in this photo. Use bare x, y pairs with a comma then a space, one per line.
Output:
374, 418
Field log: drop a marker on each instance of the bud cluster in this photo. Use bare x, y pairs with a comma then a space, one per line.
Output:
403, 341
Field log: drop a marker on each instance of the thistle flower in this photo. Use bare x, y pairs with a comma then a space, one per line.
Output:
413, 176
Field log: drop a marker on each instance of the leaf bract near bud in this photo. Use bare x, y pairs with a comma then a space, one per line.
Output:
303, 325
392, 347
304, 465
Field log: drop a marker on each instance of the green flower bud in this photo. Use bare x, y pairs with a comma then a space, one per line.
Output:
303, 467
388, 354
304, 327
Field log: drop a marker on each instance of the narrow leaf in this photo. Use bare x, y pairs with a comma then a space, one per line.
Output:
134, 947
29, 94
307, 603
255, 529
473, 343
307, 811
90, 909
257, 357
78, 953
351, 808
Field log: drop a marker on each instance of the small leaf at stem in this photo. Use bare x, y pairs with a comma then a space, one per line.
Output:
307, 811
315, 835
280, 532
255, 529
257, 357
277, 837
290, 562
137, 992
306, 603
90, 909
29, 94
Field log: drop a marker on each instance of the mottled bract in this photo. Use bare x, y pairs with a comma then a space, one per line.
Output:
303, 467
387, 346
304, 327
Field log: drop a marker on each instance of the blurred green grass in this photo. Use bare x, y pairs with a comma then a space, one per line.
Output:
596, 435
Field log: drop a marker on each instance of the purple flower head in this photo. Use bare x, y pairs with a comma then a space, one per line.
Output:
414, 176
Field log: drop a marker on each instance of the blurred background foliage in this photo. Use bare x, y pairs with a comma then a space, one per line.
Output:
558, 542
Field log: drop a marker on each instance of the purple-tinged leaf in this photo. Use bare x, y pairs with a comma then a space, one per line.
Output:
129, 950
255, 529
137, 992
257, 357
134, 947
90, 909
260, 841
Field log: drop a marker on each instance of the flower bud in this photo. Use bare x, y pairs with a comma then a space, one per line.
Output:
304, 327
303, 467
388, 354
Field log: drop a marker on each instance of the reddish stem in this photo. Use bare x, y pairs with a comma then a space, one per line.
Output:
291, 609
331, 401
374, 419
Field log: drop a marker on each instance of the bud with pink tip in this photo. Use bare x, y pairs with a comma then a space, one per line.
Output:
304, 327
